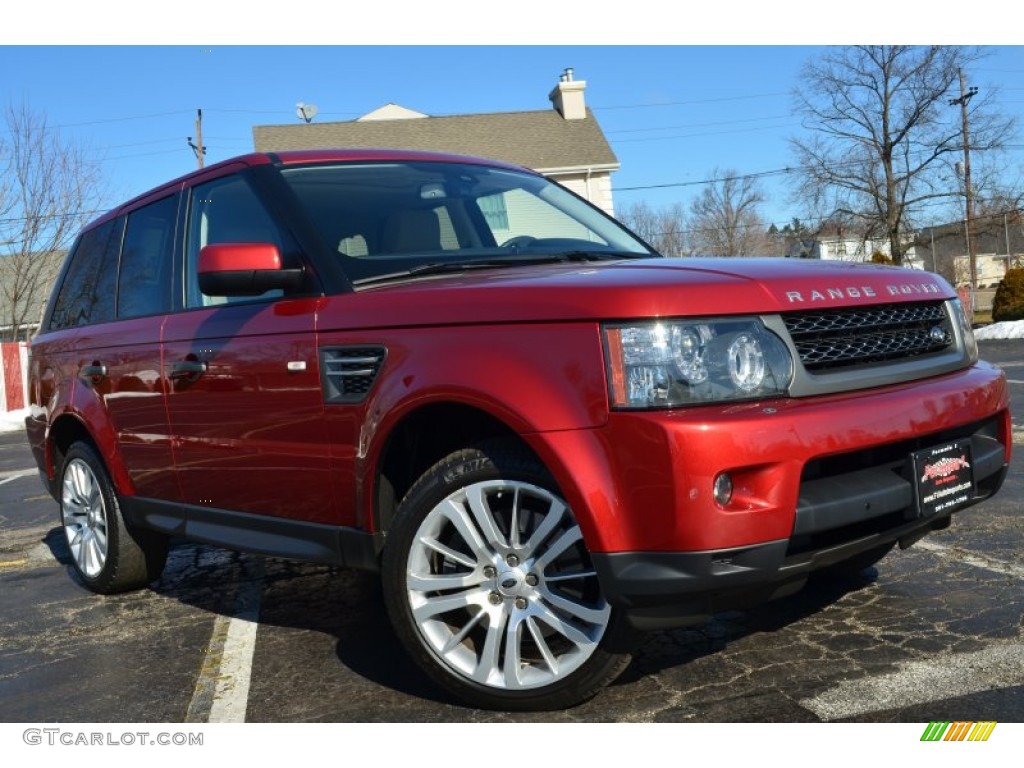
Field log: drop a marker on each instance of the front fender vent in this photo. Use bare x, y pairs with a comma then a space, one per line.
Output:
348, 373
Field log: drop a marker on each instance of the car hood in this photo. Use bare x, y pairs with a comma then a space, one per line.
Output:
623, 290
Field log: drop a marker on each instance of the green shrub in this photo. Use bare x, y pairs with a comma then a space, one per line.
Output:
1009, 300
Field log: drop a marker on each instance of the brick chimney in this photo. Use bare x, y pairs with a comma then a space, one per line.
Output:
567, 96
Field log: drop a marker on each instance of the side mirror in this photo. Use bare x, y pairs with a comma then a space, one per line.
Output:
244, 269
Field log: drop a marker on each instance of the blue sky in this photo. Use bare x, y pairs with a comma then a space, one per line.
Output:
672, 113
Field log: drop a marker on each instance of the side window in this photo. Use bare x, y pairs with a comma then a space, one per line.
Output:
87, 293
227, 211
144, 284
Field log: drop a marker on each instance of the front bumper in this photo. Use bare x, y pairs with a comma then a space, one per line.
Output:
657, 590
817, 481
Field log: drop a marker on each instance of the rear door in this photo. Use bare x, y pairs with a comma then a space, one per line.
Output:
121, 306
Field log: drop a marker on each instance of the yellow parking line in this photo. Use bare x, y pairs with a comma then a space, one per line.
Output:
12, 563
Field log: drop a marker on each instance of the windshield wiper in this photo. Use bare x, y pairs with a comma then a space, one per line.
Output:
496, 262
602, 255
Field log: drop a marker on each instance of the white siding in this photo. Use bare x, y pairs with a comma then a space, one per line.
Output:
597, 188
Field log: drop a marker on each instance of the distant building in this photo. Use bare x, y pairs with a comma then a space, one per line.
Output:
564, 143
850, 248
25, 284
998, 245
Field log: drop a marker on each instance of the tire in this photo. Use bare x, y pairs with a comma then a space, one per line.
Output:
107, 555
491, 590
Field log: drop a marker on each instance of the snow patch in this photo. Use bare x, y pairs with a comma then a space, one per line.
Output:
13, 421
1010, 329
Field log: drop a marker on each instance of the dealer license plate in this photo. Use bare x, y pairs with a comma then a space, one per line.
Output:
944, 477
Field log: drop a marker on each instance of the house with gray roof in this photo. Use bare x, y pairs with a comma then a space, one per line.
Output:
564, 143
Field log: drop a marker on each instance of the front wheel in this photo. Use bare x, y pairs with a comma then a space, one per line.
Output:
491, 588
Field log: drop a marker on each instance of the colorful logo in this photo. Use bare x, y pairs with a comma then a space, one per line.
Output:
958, 731
944, 467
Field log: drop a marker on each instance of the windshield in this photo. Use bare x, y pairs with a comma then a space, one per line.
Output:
388, 218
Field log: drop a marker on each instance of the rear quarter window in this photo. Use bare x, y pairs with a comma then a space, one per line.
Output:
87, 292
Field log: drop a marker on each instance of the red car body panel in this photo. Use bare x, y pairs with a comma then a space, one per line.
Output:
645, 480
249, 433
634, 289
225, 406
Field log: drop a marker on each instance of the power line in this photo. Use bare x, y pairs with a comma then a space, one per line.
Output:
738, 177
692, 101
55, 215
120, 119
697, 135
698, 125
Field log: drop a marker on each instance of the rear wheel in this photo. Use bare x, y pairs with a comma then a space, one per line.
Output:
491, 588
108, 556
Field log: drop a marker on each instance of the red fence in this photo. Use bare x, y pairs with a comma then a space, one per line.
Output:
14, 376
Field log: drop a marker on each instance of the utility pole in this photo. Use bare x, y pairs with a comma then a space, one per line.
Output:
965, 97
202, 150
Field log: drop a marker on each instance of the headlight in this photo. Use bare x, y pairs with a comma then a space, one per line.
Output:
966, 331
672, 363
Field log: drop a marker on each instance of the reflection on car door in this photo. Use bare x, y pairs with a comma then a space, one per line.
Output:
244, 400
117, 348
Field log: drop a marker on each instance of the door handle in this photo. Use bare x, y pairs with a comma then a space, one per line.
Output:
94, 373
188, 369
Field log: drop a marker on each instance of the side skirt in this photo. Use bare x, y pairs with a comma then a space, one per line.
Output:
259, 534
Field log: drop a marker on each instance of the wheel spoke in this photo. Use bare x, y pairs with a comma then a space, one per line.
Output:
573, 608
558, 546
563, 627
570, 576
548, 524
448, 552
476, 498
513, 654
455, 640
488, 664
81, 485
440, 583
91, 555
456, 514
514, 525
100, 534
434, 606
542, 645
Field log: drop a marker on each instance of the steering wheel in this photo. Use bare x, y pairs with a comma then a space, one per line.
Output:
522, 241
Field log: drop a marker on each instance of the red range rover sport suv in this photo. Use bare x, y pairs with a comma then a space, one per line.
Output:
542, 434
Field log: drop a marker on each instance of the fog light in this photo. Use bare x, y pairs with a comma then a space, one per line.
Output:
723, 489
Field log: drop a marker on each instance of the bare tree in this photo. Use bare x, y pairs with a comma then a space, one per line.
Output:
883, 133
47, 187
663, 228
725, 220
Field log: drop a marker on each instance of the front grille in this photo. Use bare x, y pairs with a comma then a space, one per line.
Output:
349, 372
831, 339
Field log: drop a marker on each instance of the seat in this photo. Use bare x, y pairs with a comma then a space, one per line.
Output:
411, 231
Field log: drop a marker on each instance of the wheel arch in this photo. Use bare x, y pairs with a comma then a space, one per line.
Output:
70, 427
421, 438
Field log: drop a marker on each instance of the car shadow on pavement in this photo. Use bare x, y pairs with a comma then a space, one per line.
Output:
676, 647
348, 607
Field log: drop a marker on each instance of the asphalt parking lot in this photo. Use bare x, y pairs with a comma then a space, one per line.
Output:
932, 633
